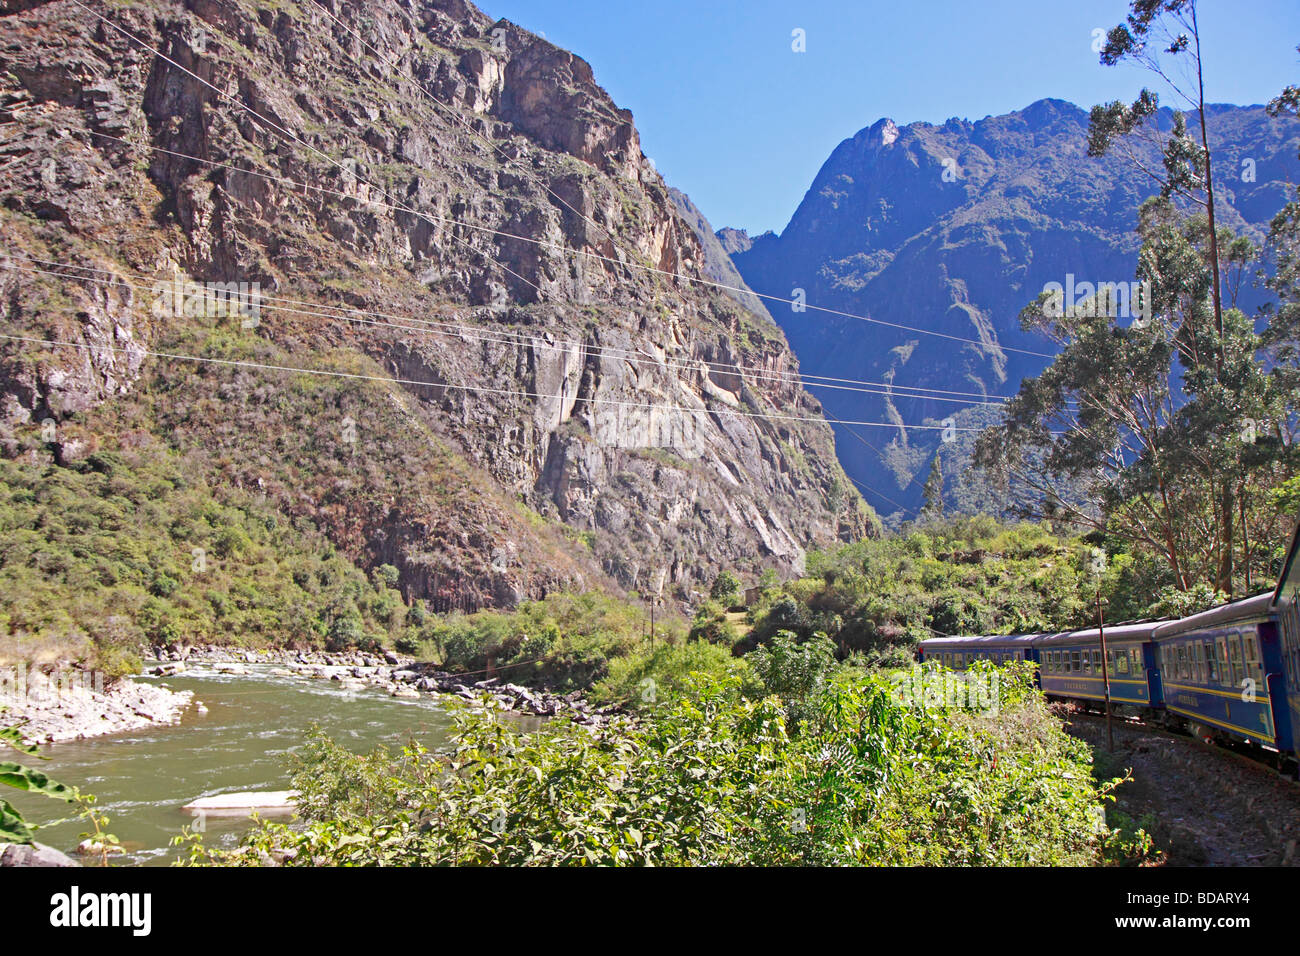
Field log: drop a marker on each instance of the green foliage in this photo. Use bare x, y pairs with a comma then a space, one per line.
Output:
1175, 602
792, 669
932, 491
876, 599
563, 642
13, 828
717, 779
712, 624
133, 546
726, 589
658, 677
1178, 429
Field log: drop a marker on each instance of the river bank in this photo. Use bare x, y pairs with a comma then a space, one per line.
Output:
242, 741
395, 674
62, 703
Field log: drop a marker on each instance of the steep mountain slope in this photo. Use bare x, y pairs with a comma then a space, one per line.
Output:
716, 261
954, 228
469, 359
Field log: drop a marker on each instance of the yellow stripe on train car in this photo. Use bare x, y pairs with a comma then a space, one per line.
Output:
1201, 718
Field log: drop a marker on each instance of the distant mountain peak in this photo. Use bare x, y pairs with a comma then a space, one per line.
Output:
952, 229
883, 132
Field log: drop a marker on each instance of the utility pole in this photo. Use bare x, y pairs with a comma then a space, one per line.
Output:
1105, 674
1099, 570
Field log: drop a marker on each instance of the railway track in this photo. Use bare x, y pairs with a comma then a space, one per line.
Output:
1265, 761
1204, 805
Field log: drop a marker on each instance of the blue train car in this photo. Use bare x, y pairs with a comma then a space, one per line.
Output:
1285, 606
956, 653
1223, 674
1071, 667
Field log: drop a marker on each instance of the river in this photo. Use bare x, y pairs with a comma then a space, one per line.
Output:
243, 742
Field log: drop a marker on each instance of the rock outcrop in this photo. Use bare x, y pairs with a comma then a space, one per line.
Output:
449, 217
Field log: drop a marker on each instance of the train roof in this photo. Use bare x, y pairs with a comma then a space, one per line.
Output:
1249, 609
1140, 631
983, 640
1290, 569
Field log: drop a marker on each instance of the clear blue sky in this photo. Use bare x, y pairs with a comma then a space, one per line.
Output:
736, 119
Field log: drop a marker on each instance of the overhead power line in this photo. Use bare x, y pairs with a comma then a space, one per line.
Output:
451, 386
541, 242
479, 333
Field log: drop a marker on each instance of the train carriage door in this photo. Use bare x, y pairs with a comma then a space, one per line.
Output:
1282, 659
1149, 657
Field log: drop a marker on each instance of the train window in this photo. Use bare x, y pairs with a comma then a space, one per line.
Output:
1250, 644
1076, 661
1221, 656
1211, 671
1121, 662
1234, 655
1135, 659
1180, 662
1198, 662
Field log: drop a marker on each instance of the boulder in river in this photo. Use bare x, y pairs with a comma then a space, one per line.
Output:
33, 854
244, 802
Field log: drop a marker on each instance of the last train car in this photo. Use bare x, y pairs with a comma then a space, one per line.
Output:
1285, 606
957, 653
1223, 674
1071, 667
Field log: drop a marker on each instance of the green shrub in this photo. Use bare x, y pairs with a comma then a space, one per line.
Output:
658, 677
714, 780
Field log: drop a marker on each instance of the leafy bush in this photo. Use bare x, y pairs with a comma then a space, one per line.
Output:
717, 779
659, 677
876, 599
726, 589
563, 642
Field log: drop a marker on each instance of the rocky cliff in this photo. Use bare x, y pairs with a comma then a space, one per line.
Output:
955, 228
451, 226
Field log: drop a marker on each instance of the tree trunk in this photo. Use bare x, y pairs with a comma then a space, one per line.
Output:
1209, 200
1227, 524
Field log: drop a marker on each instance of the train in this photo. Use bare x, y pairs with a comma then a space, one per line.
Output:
1230, 674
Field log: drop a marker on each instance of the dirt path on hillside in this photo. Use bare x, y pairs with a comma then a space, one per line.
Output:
1202, 805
